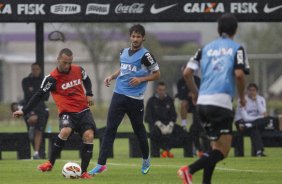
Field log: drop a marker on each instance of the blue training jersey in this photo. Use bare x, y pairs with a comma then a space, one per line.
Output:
217, 67
138, 64
217, 61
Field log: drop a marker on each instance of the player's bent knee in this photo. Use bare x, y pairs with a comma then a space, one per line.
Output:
88, 136
32, 120
65, 133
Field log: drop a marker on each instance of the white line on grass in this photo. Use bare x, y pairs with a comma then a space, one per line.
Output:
177, 166
247, 170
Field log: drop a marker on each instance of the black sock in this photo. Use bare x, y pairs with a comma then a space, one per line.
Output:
215, 156
199, 164
56, 149
86, 155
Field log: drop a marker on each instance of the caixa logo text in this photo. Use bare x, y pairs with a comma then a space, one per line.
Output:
65, 9
204, 8
5, 8
134, 8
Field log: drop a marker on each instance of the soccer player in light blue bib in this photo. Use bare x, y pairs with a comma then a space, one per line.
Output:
137, 67
222, 64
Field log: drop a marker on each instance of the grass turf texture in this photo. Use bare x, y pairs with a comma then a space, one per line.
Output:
121, 169
125, 170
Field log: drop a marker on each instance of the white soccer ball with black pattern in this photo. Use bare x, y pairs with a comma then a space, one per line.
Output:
71, 170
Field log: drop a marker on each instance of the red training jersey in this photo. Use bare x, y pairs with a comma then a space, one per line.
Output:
69, 95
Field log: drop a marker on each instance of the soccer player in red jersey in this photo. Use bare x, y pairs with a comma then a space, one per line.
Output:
71, 89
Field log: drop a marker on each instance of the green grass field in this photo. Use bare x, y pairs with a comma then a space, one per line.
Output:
121, 169
125, 170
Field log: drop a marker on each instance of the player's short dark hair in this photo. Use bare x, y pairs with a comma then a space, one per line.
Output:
252, 85
161, 83
65, 51
137, 28
227, 23
34, 64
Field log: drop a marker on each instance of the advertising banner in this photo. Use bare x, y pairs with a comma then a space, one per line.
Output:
138, 10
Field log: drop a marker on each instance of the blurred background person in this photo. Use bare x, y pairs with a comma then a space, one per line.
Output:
161, 116
37, 118
200, 140
253, 119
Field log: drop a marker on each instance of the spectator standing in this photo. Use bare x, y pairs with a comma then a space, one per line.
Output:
197, 131
37, 118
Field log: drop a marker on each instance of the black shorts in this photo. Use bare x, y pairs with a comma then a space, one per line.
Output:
216, 120
79, 122
42, 114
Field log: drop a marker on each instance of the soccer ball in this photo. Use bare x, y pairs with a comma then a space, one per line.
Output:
71, 170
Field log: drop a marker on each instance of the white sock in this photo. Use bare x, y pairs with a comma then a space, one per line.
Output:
35, 153
183, 122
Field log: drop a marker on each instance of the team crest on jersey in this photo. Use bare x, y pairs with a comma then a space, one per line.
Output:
71, 84
217, 64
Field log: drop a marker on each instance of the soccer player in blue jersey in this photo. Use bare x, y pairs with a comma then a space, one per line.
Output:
137, 67
223, 64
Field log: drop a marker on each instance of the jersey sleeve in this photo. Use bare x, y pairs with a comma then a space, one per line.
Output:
149, 61
194, 62
48, 84
261, 104
246, 117
241, 61
86, 82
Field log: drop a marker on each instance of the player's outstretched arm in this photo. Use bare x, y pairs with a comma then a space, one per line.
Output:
240, 83
107, 80
90, 100
47, 85
189, 79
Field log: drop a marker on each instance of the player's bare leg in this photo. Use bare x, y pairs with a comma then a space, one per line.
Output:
183, 113
37, 142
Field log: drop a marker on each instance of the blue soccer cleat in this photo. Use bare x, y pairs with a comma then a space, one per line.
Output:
146, 166
98, 169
